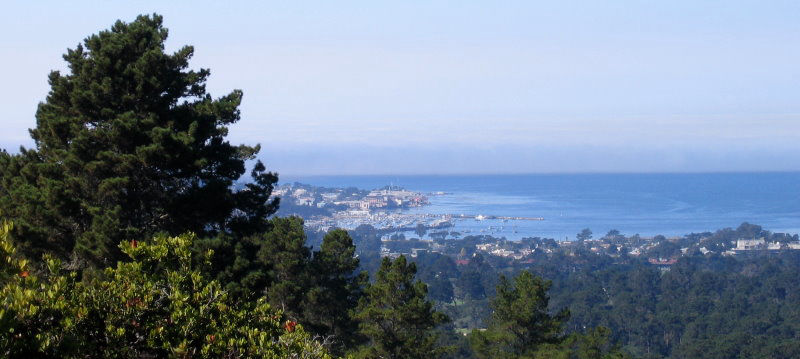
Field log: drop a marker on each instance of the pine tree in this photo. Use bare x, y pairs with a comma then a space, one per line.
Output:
287, 260
338, 286
275, 264
319, 291
129, 143
520, 322
396, 317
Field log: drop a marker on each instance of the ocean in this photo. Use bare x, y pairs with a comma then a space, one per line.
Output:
647, 204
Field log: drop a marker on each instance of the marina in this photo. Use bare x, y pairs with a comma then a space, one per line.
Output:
402, 221
644, 204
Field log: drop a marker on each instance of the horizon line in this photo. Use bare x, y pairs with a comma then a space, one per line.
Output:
430, 174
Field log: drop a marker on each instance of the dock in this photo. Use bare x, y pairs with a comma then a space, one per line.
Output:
481, 217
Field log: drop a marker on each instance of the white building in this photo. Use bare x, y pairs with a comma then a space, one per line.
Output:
750, 244
304, 201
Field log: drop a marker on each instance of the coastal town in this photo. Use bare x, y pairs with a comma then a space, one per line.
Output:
325, 208
389, 197
384, 211
388, 209
658, 250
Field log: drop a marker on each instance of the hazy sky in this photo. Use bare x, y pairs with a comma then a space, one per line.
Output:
465, 86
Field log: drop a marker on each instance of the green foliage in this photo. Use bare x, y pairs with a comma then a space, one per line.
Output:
705, 305
477, 280
469, 283
129, 144
520, 322
710, 307
336, 290
521, 327
420, 230
156, 305
593, 345
319, 291
665, 249
396, 317
275, 262
368, 247
436, 270
286, 258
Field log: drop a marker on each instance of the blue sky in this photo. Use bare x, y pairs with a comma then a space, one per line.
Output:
464, 86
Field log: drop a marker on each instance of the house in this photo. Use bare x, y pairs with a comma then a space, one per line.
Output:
304, 201
750, 244
662, 261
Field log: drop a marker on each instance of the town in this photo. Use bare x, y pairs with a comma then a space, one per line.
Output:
324, 208
382, 212
657, 250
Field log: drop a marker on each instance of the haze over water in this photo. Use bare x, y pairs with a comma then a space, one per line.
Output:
647, 204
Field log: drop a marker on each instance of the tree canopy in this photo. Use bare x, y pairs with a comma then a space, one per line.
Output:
129, 143
158, 304
396, 316
336, 288
520, 320
585, 234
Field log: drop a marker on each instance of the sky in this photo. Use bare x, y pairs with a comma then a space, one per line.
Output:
445, 87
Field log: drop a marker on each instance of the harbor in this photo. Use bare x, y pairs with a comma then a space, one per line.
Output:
391, 209
481, 217
422, 225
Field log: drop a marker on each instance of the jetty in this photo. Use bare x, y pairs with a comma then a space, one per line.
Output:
481, 217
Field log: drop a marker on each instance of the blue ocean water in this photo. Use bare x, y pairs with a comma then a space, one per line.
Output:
647, 204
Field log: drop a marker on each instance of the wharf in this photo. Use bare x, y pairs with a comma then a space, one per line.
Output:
482, 217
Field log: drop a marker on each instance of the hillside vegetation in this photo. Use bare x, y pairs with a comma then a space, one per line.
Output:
127, 233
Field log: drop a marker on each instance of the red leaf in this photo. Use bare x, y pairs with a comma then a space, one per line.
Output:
289, 325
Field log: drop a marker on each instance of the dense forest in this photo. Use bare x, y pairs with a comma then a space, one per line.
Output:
126, 233
704, 305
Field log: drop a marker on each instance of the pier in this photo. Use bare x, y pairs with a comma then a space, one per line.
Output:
481, 217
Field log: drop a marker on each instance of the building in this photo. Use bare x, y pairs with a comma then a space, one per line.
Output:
304, 201
375, 202
330, 197
750, 244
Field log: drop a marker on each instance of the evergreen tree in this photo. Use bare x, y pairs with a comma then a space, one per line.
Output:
320, 291
285, 257
129, 143
520, 322
584, 235
420, 230
396, 317
469, 283
328, 305
275, 261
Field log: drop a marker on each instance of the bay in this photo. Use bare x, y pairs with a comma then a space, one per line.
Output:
669, 204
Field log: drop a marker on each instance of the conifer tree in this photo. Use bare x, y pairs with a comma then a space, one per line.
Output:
286, 259
129, 143
520, 321
338, 286
275, 262
396, 317
319, 291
